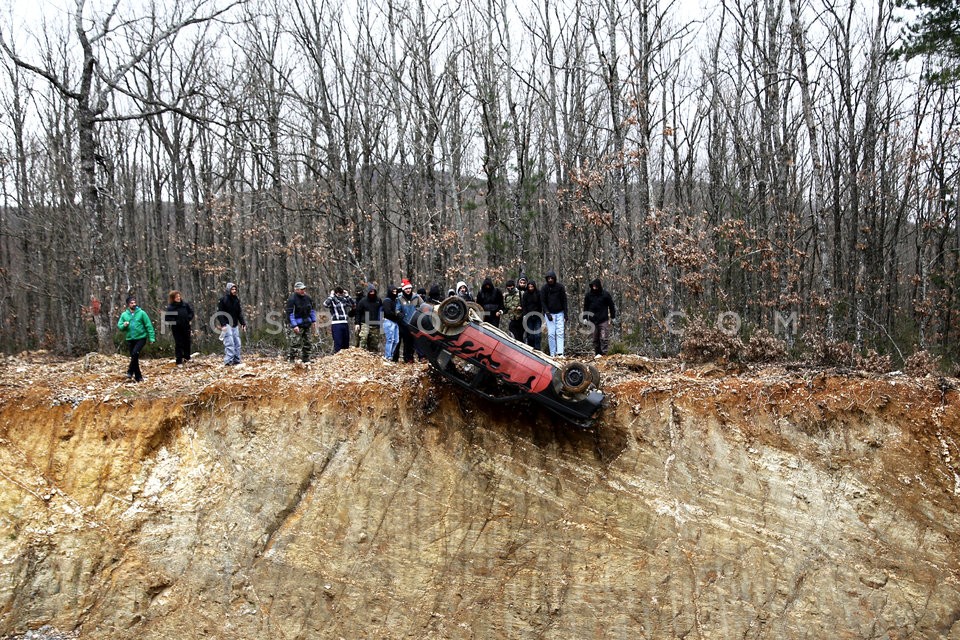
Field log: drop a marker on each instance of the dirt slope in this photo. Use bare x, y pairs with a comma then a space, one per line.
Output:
362, 500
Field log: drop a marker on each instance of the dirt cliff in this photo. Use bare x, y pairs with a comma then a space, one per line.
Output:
361, 500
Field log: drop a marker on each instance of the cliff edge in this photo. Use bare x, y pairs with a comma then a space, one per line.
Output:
356, 499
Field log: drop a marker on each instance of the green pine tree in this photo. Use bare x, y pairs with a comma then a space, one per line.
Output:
934, 32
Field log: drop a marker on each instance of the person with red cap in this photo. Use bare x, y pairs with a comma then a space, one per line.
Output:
407, 305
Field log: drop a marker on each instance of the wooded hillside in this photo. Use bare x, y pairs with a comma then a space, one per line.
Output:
769, 158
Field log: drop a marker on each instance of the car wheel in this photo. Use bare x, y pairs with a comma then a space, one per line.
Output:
575, 378
594, 375
452, 312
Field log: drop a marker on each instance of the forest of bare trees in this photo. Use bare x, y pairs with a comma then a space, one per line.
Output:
767, 157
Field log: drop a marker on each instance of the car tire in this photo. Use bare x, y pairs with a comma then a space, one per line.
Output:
575, 378
594, 375
452, 312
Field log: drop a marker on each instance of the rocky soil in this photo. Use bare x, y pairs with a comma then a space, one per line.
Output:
358, 499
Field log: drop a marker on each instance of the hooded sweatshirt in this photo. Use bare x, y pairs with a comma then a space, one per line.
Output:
530, 300
229, 311
598, 304
466, 296
553, 296
390, 304
369, 308
490, 298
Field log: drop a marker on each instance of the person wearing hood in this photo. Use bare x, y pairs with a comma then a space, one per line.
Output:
553, 296
230, 320
407, 305
137, 329
463, 291
532, 309
178, 316
340, 306
599, 311
433, 296
391, 330
369, 316
512, 309
301, 316
491, 299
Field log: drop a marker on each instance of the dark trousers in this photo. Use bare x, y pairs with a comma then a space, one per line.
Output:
341, 336
135, 347
534, 337
181, 343
406, 339
516, 330
601, 337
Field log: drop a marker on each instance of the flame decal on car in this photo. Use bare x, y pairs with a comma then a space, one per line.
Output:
473, 350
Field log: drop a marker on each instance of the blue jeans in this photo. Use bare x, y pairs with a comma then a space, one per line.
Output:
231, 344
555, 334
391, 333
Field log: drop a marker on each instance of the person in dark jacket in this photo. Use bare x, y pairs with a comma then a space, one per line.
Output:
434, 295
532, 309
369, 316
301, 316
178, 316
553, 296
137, 329
598, 310
230, 320
407, 305
491, 299
340, 306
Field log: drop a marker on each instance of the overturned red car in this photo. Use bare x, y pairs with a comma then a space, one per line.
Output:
482, 358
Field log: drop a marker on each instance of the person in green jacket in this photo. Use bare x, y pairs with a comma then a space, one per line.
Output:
135, 323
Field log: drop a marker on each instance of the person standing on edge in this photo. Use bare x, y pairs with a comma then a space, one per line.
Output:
598, 309
491, 299
178, 316
230, 320
553, 295
532, 309
407, 305
135, 324
301, 316
341, 308
368, 318
391, 331
513, 311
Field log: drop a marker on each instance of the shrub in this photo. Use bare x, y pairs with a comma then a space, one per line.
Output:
764, 347
876, 363
831, 353
921, 364
703, 343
